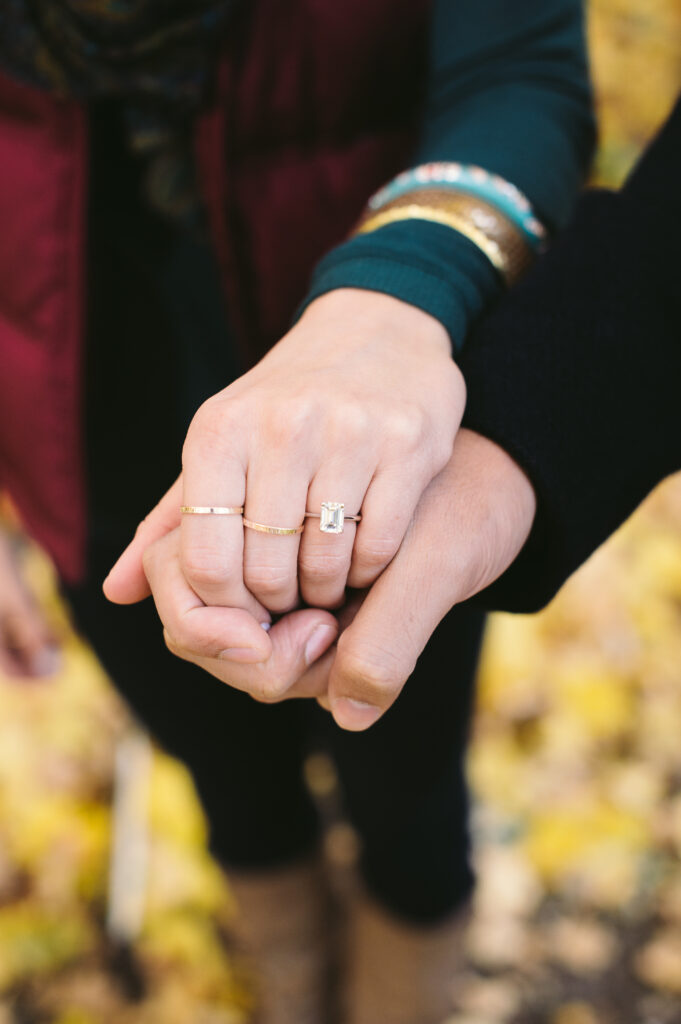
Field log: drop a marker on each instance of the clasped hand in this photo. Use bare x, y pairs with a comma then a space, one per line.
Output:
359, 403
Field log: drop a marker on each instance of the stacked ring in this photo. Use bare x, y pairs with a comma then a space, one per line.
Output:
331, 518
212, 510
282, 531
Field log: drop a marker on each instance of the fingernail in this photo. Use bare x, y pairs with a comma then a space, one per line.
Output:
354, 714
266, 626
318, 642
241, 654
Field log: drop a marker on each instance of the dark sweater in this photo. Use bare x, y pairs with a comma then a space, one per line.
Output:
577, 374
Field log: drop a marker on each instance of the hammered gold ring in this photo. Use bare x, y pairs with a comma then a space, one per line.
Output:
211, 510
280, 531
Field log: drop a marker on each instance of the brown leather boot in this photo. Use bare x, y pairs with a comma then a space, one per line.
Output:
400, 973
282, 929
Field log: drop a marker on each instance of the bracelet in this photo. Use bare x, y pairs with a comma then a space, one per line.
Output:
470, 180
481, 222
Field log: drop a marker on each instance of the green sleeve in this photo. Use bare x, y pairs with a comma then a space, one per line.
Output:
509, 91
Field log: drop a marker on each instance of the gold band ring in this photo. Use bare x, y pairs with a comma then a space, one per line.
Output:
281, 531
211, 510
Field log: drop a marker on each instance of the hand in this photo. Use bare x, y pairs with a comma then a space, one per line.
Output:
27, 646
359, 403
471, 523
228, 642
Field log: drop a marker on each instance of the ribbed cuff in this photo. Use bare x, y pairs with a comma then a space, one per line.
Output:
427, 265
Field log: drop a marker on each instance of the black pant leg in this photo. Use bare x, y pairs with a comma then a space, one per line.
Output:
404, 779
245, 757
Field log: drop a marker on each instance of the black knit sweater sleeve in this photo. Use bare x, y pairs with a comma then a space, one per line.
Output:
577, 373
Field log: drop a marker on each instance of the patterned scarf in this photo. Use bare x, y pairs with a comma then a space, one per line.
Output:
157, 56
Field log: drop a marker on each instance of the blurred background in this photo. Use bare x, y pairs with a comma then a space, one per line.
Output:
575, 764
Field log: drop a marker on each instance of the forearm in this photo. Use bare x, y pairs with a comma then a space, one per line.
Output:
511, 95
577, 374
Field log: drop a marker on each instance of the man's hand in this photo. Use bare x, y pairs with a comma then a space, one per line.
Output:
471, 523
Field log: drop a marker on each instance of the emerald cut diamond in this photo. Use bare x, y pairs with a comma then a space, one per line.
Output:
331, 518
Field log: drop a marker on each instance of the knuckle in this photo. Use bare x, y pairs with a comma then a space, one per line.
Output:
191, 640
406, 427
318, 567
369, 673
373, 555
267, 690
207, 419
211, 426
172, 643
182, 639
204, 569
348, 423
267, 580
287, 420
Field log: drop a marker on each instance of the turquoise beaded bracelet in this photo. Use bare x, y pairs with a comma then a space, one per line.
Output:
473, 180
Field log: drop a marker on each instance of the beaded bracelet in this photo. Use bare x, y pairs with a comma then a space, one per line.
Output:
470, 180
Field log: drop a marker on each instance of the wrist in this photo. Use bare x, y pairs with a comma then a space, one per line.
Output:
367, 310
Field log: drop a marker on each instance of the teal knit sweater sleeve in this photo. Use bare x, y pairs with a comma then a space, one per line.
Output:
508, 91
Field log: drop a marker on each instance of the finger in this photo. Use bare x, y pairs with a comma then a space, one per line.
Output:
212, 547
298, 641
325, 557
207, 631
387, 511
276, 497
127, 582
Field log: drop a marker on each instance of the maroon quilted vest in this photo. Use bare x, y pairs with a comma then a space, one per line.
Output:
316, 105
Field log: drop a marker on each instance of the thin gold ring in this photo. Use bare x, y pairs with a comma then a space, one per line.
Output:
281, 531
211, 510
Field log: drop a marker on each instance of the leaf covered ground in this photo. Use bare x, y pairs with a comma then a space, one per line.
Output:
576, 766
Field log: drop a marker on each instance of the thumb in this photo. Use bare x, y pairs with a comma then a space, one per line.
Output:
378, 651
127, 582
299, 640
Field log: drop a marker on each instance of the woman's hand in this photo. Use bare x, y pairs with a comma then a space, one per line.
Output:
227, 642
27, 646
359, 403
470, 524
